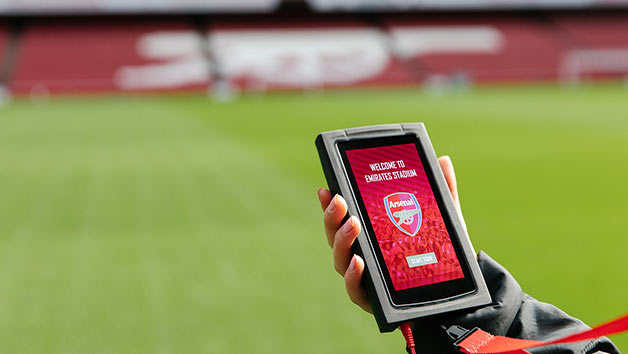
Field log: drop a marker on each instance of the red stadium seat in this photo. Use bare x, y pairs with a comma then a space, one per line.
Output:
294, 53
3, 41
86, 56
504, 48
270, 53
596, 45
594, 31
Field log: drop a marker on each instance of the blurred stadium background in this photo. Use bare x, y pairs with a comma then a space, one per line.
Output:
158, 175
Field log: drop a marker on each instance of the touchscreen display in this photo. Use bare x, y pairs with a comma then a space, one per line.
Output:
404, 214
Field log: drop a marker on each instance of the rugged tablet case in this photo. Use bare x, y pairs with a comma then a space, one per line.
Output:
387, 315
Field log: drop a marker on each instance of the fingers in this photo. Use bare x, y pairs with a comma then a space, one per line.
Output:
343, 240
353, 279
324, 196
334, 213
450, 177
340, 239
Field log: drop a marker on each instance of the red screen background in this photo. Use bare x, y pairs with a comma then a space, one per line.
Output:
394, 244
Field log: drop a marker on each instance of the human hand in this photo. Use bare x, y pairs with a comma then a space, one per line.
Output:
340, 238
511, 313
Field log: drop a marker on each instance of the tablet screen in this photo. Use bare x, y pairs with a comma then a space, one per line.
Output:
394, 190
404, 214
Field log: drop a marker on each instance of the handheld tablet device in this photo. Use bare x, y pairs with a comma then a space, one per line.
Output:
418, 258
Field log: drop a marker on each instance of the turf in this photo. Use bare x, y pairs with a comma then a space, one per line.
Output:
171, 224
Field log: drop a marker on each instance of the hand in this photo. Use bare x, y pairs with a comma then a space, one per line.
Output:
340, 239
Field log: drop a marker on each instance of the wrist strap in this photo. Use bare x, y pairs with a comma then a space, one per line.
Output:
478, 341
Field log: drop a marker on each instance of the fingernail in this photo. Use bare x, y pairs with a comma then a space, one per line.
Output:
352, 264
333, 204
348, 225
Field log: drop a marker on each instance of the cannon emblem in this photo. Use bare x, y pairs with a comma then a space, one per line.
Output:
404, 211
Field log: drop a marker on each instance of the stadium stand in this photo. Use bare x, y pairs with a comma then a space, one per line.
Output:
3, 37
485, 50
5, 61
80, 56
3, 43
596, 46
304, 53
312, 51
600, 31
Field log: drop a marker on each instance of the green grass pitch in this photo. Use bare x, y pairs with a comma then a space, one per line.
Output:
171, 224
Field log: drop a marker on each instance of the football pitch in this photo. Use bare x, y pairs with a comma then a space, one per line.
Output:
174, 224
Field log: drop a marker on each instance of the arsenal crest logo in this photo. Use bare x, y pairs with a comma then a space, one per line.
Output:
404, 211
